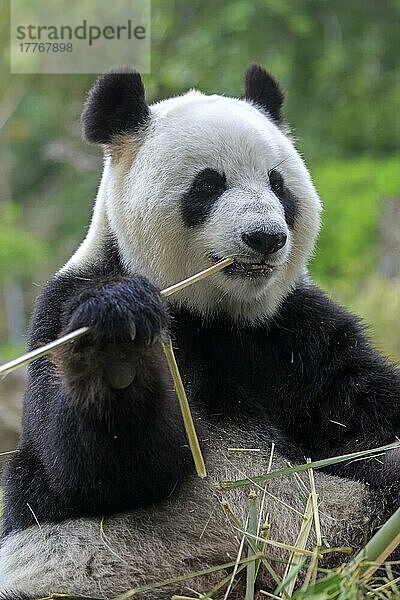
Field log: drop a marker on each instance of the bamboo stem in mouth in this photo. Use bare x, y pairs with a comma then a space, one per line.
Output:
221, 264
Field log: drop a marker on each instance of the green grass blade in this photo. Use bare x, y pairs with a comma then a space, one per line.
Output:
318, 464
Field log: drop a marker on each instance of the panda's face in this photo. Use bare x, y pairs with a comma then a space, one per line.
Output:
210, 177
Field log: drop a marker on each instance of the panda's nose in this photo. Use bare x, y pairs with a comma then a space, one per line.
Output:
263, 242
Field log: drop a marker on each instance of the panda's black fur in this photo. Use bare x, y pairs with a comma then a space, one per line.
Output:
263, 90
120, 96
102, 432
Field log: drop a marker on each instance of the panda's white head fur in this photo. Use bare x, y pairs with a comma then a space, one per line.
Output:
196, 178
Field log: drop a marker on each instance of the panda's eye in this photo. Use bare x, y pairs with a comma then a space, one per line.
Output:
276, 181
209, 182
198, 201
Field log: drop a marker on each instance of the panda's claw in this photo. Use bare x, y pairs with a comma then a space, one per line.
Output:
133, 331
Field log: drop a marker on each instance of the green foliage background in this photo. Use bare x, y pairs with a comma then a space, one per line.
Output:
338, 62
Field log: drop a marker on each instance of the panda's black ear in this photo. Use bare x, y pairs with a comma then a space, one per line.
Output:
262, 89
115, 105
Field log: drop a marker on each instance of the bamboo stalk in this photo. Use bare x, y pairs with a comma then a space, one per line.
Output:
159, 584
264, 494
252, 528
275, 544
251, 539
27, 358
380, 545
231, 577
181, 578
221, 264
185, 410
292, 567
317, 464
8, 452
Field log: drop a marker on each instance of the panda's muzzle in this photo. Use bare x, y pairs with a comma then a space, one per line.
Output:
258, 258
264, 243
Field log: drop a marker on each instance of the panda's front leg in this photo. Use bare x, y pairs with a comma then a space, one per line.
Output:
118, 376
102, 430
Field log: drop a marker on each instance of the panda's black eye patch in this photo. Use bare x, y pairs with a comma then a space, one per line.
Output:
287, 199
276, 181
196, 204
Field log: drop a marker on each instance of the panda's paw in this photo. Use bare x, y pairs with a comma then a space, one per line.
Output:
129, 309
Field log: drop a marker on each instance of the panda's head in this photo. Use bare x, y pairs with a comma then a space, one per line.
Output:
195, 178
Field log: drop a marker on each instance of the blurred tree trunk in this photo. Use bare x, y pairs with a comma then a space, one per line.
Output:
14, 311
389, 239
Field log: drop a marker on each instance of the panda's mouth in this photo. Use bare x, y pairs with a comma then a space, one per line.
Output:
247, 268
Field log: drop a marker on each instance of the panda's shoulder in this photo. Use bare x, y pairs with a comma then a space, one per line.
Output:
330, 336
310, 303
315, 318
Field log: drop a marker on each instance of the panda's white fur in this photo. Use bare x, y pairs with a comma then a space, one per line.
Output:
139, 197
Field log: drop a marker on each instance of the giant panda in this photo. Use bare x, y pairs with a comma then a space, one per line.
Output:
102, 495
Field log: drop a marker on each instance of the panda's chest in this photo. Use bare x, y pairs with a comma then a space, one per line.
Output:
230, 371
